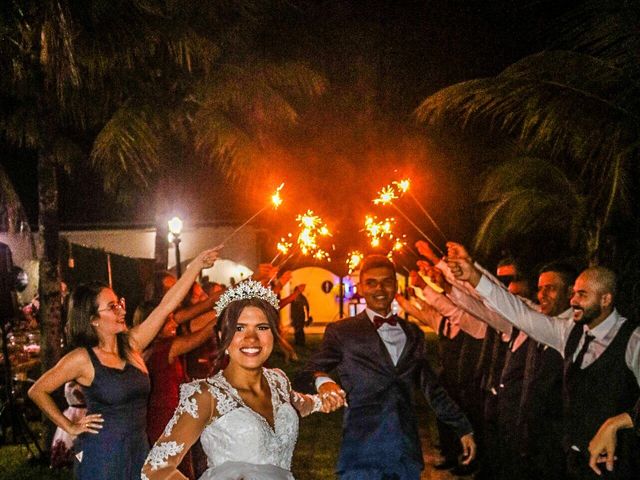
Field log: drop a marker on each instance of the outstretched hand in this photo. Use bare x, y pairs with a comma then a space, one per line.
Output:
207, 258
464, 270
468, 448
415, 280
457, 251
437, 277
425, 250
419, 309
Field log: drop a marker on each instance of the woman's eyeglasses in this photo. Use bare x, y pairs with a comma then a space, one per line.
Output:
114, 307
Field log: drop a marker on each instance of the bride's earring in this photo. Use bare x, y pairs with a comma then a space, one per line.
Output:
226, 351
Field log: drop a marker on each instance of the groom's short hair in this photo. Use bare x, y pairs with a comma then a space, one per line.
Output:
376, 261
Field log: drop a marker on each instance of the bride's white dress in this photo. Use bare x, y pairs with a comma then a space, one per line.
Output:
239, 443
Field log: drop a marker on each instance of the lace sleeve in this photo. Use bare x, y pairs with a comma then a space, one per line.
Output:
194, 412
305, 404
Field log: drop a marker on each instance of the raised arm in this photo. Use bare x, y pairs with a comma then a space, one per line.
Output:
457, 315
142, 335
185, 314
479, 310
421, 310
542, 328
196, 409
185, 343
75, 365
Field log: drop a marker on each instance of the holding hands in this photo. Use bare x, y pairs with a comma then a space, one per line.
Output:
333, 397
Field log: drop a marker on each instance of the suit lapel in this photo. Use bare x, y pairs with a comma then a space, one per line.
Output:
410, 344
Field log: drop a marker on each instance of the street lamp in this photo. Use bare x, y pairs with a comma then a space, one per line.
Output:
175, 227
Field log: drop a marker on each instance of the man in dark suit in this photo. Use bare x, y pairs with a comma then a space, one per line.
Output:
380, 359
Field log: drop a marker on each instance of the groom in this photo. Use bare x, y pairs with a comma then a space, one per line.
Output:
380, 359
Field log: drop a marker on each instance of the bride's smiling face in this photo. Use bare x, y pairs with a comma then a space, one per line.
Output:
252, 342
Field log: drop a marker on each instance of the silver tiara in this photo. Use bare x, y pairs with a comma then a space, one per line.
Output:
244, 290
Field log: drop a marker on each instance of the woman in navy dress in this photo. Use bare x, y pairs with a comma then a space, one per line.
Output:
107, 362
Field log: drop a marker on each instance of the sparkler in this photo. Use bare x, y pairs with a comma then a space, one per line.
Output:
283, 248
403, 187
376, 231
386, 197
353, 260
312, 226
276, 201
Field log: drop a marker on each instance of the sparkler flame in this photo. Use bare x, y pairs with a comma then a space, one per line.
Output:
376, 231
403, 185
284, 246
386, 196
398, 245
312, 226
354, 259
276, 199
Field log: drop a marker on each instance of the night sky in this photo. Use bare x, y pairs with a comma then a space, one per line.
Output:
380, 59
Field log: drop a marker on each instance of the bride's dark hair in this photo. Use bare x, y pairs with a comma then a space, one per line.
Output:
225, 327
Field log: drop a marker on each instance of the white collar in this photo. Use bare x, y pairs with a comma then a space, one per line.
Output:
371, 314
603, 329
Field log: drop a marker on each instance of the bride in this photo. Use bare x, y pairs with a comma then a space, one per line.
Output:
245, 415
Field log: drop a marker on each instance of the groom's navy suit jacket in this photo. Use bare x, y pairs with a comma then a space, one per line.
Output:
380, 425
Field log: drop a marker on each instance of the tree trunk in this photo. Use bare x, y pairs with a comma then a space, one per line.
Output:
49, 315
162, 229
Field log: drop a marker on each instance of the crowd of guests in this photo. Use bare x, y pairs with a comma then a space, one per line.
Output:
539, 377
546, 368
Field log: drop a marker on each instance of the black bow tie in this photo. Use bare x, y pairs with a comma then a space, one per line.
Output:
378, 321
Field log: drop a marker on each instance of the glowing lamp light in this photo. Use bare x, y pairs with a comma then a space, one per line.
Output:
175, 226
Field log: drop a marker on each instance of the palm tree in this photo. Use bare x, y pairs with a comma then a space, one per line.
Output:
224, 118
127, 69
13, 218
576, 107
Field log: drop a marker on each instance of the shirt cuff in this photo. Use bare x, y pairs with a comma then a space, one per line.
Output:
485, 286
322, 380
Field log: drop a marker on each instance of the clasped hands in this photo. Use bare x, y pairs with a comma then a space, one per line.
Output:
332, 396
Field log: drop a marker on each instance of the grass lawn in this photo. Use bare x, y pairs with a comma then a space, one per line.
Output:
315, 455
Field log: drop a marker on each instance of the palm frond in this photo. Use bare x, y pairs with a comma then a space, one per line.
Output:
570, 107
127, 146
526, 213
525, 174
608, 30
242, 105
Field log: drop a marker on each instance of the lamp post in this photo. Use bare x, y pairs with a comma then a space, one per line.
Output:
175, 227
